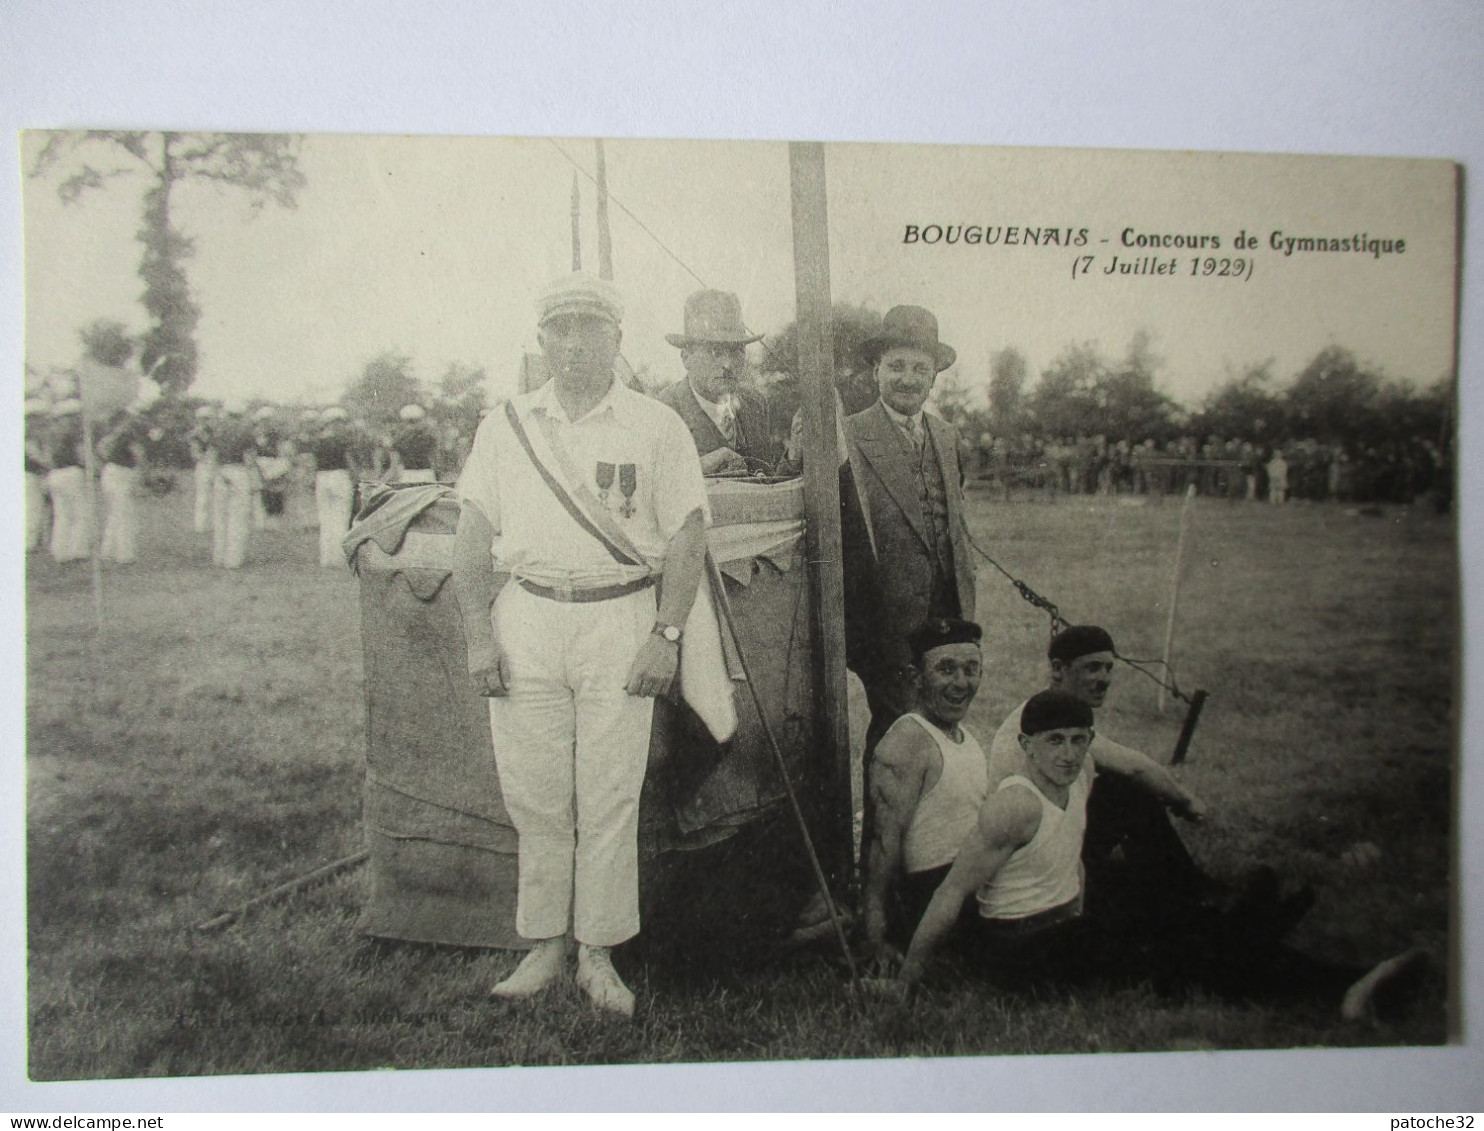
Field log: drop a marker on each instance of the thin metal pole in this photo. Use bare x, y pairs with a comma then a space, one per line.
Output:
227, 918
1175, 582
605, 239
95, 549
714, 578
576, 225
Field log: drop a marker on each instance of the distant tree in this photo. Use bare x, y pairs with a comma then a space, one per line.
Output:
851, 326
1334, 398
461, 396
1245, 407
1007, 408
263, 166
1130, 407
461, 381
953, 400
107, 342
1064, 401
386, 384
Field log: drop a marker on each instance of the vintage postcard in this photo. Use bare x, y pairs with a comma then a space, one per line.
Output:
548, 601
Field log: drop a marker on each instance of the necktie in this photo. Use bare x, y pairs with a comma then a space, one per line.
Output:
727, 422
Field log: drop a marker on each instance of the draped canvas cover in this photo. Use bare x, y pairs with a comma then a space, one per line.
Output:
442, 850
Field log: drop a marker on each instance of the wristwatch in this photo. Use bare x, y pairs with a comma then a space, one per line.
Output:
669, 632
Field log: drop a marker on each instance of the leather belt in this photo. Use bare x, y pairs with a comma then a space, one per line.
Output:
568, 595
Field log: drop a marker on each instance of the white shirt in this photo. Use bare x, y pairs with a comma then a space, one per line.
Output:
535, 536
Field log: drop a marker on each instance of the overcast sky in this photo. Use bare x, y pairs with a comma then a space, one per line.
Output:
435, 246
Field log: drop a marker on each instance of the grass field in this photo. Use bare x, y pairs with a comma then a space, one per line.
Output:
209, 747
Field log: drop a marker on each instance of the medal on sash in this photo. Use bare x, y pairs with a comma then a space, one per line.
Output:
604, 481
628, 481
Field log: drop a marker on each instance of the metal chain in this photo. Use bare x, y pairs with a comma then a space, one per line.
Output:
1059, 622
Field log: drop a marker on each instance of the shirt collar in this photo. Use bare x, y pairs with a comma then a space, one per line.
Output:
713, 409
545, 400
901, 420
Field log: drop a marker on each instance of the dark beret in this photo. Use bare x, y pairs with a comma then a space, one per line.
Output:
935, 632
1079, 640
1054, 710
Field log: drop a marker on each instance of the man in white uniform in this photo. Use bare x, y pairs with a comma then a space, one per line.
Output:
592, 496
333, 489
37, 465
232, 500
203, 458
67, 484
926, 781
414, 446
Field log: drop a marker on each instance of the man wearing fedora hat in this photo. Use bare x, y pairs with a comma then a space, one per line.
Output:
728, 422
912, 481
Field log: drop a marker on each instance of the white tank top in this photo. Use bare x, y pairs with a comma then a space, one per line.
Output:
1046, 872
946, 814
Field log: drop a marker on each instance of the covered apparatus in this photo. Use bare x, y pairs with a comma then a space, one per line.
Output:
442, 850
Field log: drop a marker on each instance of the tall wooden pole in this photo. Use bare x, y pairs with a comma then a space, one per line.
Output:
576, 225
822, 499
605, 240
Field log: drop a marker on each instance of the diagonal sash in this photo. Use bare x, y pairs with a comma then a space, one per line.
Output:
619, 548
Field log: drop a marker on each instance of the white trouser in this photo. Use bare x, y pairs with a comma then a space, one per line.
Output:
205, 486
417, 475
72, 513
35, 512
332, 499
571, 747
231, 515
259, 510
120, 514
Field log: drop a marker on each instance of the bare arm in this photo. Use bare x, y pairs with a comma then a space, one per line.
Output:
1148, 775
657, 661
476, 586
1007, 821
897, 774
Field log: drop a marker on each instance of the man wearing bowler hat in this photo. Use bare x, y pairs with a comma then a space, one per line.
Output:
728, 422
912, 481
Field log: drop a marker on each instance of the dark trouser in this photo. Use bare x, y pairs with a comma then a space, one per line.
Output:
1131, 935
913, 895
1132, 844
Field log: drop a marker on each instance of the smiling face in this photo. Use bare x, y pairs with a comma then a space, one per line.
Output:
947, 683
714, 368
580, 350
1087, 677
1056, 757
904, 377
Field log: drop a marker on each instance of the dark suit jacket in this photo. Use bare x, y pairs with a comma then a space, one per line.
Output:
757, 442
904, 562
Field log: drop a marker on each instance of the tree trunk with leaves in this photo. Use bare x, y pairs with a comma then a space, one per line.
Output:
263, 166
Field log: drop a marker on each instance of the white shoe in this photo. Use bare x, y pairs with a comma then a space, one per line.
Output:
537, 970
600, 981
1359, 1000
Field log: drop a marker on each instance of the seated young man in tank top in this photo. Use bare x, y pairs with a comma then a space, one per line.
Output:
1020, 869
925, 782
